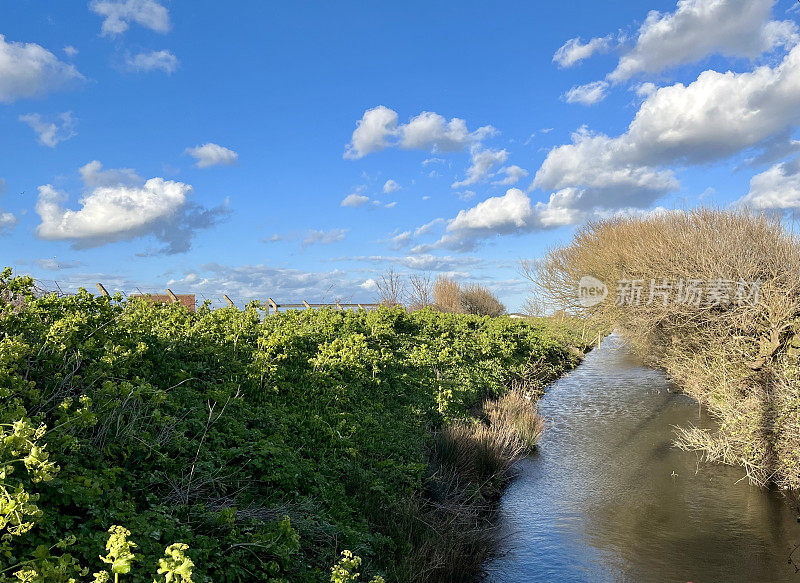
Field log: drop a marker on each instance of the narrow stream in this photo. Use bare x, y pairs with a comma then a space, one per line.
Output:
607, 498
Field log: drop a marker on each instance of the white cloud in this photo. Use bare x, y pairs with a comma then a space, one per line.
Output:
313, 237
369, 284
697, 28
118, 14
399, 240
372, 132
153, 61
355, 200
54, 265
378, 129
390, 186
713, 118
28, 70
124, 210
483, 161
513, 175
587, 94
777, 188
573, 51
496, 214
211, 154
424, 262
7, 222
70, 51
93, 175
245, 282
431, 131
51, 132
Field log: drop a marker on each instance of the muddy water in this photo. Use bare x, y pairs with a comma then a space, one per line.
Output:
607, 498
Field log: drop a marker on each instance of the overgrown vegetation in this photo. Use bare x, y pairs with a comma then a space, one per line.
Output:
443, 294
738, 358
267, 445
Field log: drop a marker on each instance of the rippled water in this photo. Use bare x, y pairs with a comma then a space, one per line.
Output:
607, 498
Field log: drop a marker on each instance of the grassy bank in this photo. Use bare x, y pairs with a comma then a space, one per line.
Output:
268, 445
735, 352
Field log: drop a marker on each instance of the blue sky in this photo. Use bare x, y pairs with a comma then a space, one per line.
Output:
297, 150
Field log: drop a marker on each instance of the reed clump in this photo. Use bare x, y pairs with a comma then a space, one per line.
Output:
471, 462
734, 347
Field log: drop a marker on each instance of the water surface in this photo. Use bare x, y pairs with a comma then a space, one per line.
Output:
607, 497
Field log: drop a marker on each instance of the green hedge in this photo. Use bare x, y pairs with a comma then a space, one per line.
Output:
267, 444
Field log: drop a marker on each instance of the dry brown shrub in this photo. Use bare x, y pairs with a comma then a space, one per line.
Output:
736, 358
447, 295
477, 299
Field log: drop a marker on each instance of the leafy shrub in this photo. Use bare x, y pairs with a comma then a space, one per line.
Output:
266, 444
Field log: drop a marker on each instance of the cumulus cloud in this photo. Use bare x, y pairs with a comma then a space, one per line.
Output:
390, 186
588, 94
697, 28
93, 175
372, 132
211, 154
29, 70
114, 211
70, 51
119, 14
152, 61
483, 162
513, 175
713, 118
574, 51
355, 200
431, 131
51, 131
777, 188
379, 129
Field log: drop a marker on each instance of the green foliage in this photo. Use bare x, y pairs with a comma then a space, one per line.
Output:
266, 444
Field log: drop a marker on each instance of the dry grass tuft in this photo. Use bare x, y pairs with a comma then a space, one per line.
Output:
471, 462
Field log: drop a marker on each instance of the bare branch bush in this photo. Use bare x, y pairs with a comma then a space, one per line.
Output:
739, 359
447, 295
479, 300
391, 288
421, 293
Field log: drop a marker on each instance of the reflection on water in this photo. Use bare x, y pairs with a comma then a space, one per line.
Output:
607, 498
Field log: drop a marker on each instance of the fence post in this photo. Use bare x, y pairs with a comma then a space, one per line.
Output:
103, 291
173, 298
274, 306
305, 303
230, 302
